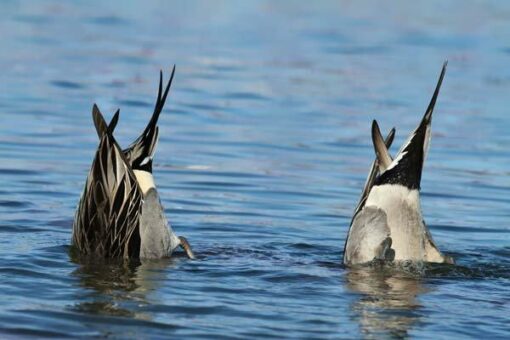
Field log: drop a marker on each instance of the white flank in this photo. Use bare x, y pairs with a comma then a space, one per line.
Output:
145, 180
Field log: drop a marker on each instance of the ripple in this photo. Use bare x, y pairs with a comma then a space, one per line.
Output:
109, 21
68, 85
18, 172
20, 229
14, 204
134, 103
246, 96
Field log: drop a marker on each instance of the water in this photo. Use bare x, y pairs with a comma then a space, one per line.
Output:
264, 148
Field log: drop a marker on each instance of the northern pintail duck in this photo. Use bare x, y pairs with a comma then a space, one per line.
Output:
120, 214
388, 223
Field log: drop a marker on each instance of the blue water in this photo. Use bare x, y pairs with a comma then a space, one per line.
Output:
264, 148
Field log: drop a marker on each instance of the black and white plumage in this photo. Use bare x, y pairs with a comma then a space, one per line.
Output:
120, 214
388, 223
141, 151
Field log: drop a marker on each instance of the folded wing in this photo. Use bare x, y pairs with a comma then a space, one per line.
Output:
108, 216
374, 170
369, 238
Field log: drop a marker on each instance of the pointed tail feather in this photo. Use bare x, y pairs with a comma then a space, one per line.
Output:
141, 151
406, 168
100, 123
428, 113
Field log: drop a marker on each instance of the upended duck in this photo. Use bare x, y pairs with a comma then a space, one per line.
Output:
119, 214
387, 223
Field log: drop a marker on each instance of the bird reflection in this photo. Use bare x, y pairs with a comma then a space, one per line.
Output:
118, 287
388, 305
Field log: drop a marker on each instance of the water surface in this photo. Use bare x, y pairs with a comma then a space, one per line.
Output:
264, 148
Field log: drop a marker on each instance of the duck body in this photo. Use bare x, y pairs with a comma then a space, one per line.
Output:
388, 224
391, 227
120, 214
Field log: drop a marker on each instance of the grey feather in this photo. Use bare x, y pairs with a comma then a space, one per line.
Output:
381, 150
431, 249
100, 124
157, 240
372, 174
368, 237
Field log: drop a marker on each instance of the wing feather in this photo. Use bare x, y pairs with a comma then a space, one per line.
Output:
108, 215
372, 174
369, 237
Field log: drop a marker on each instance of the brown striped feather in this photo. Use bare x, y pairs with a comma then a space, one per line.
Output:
108, 215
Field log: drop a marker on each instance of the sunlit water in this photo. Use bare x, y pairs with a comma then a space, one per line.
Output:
264, 147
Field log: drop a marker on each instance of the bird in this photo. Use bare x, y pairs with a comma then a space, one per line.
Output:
388, 223
119, 214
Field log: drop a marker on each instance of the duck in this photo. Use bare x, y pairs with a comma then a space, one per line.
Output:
388, 223
119, 214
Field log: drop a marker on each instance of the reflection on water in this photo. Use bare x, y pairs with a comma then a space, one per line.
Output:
118, 287
388, 304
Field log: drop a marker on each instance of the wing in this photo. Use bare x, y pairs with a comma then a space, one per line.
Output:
372, 174
381, 150
139, 154
108, 216
369, 238
100, 124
